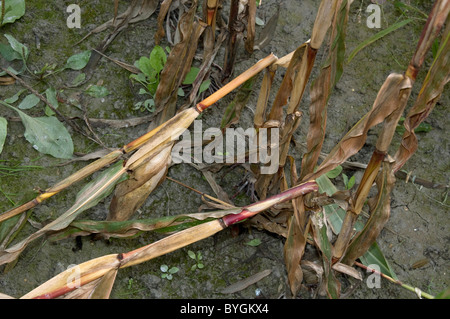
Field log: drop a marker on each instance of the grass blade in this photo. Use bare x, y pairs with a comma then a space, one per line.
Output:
376, 37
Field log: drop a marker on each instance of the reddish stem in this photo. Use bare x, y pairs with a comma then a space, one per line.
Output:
253, 209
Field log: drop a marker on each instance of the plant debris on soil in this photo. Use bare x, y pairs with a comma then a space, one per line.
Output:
73, 96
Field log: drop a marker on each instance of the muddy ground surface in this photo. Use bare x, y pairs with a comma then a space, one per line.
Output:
418, 229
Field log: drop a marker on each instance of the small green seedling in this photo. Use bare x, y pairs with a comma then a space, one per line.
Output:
348, 182
423, 127
149, 77
254, 242
151, 68
168, 273
198, 259
130, 283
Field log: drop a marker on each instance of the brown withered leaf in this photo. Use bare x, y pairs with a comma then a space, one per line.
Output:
178, 63
380, 211
138, 10
163, 10
251, 23
267, 32
132, 193
96, 289
320, 232
345, 269
263, 97
438, 76
321, 89
264, 223
7, 80
436, 19
385, 103
294, 248
323, 21
242, 284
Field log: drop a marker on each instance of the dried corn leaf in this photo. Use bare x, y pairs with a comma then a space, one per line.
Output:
75, 277
88, 197
163, 10
263, 98
242, 284
345, 269
322, 87
96, 289
431, 91
436, 20
322, 23
394, 88
378, 217
322, 242
178, 63
129, 228
294, 249
251, 23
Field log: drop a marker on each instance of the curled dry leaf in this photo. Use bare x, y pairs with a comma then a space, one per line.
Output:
242, 284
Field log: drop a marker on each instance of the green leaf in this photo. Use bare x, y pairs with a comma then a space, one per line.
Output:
191, 254
445, 294
47, 135
8, 53
334, 172
164, 268
254, 242
376, 37
94, 191
78, 61
97, 91
191, 76
149, 105
14, 9
345, 179
158, 58
435, 47
3, 130
204, 86
374, 255
140, 77
146, 68
18, 47
79, 79
200, 266
28, 102
174, 270
194, 267
259, 21
351, 182
15, 97
50, 94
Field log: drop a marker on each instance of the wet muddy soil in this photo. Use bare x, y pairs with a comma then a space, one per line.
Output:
415, 240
